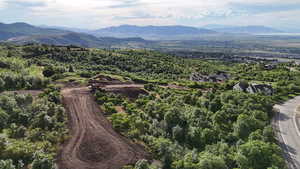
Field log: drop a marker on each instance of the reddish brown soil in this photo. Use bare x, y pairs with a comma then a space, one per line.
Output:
93, 143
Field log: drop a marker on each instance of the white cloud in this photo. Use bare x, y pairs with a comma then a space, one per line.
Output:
266, 1
2, 4
100, 13
157, 11
283, 19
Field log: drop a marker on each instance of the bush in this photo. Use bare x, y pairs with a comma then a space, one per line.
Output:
2, 84
49, 71
259, 155
7, 164
109, 108
41, 161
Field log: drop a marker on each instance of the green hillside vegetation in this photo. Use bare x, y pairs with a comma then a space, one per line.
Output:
32, 130
17, 73
144, 64
191, 130
205, 126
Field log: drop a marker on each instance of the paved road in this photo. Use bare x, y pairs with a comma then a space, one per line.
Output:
288, 134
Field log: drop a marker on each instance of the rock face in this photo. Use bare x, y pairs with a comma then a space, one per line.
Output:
254, 88
270, 66
241, 87
218, 77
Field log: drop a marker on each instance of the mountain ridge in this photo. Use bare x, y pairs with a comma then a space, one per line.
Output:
250, 29
152, 32
23, 33
23, 29
78, 39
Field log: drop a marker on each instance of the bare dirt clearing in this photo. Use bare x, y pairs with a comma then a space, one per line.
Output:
93, 144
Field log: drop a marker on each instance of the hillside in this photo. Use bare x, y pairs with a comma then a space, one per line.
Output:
78, 39
8, 31
148, 98
152, 32
23, 33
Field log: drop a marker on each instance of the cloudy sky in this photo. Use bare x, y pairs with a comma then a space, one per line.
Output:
102, 13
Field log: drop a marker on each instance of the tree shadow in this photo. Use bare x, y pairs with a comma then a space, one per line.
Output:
283, 117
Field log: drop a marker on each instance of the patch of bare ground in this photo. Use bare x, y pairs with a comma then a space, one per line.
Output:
93, 143
120, 109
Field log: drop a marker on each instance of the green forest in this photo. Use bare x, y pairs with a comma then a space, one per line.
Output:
199, 125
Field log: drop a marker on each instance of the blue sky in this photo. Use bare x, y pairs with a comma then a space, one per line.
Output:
94, 14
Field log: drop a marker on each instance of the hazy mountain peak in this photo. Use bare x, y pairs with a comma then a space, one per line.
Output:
153, 32
249, 29
21, 24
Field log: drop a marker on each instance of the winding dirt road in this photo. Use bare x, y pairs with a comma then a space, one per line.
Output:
288, 132
93, 143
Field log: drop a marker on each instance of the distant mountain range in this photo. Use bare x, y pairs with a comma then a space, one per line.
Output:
66, 28
243, 29
153, 32
120, 36
78, 39
22, 33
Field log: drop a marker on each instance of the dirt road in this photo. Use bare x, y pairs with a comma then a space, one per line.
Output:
93, 143
288, 132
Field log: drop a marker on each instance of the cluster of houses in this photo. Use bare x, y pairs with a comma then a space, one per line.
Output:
241, 86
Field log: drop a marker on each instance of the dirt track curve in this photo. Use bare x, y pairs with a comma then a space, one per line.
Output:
93, 143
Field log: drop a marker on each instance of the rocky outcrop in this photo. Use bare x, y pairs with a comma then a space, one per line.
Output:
218, 77
254, 88
241, 86
270, 66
